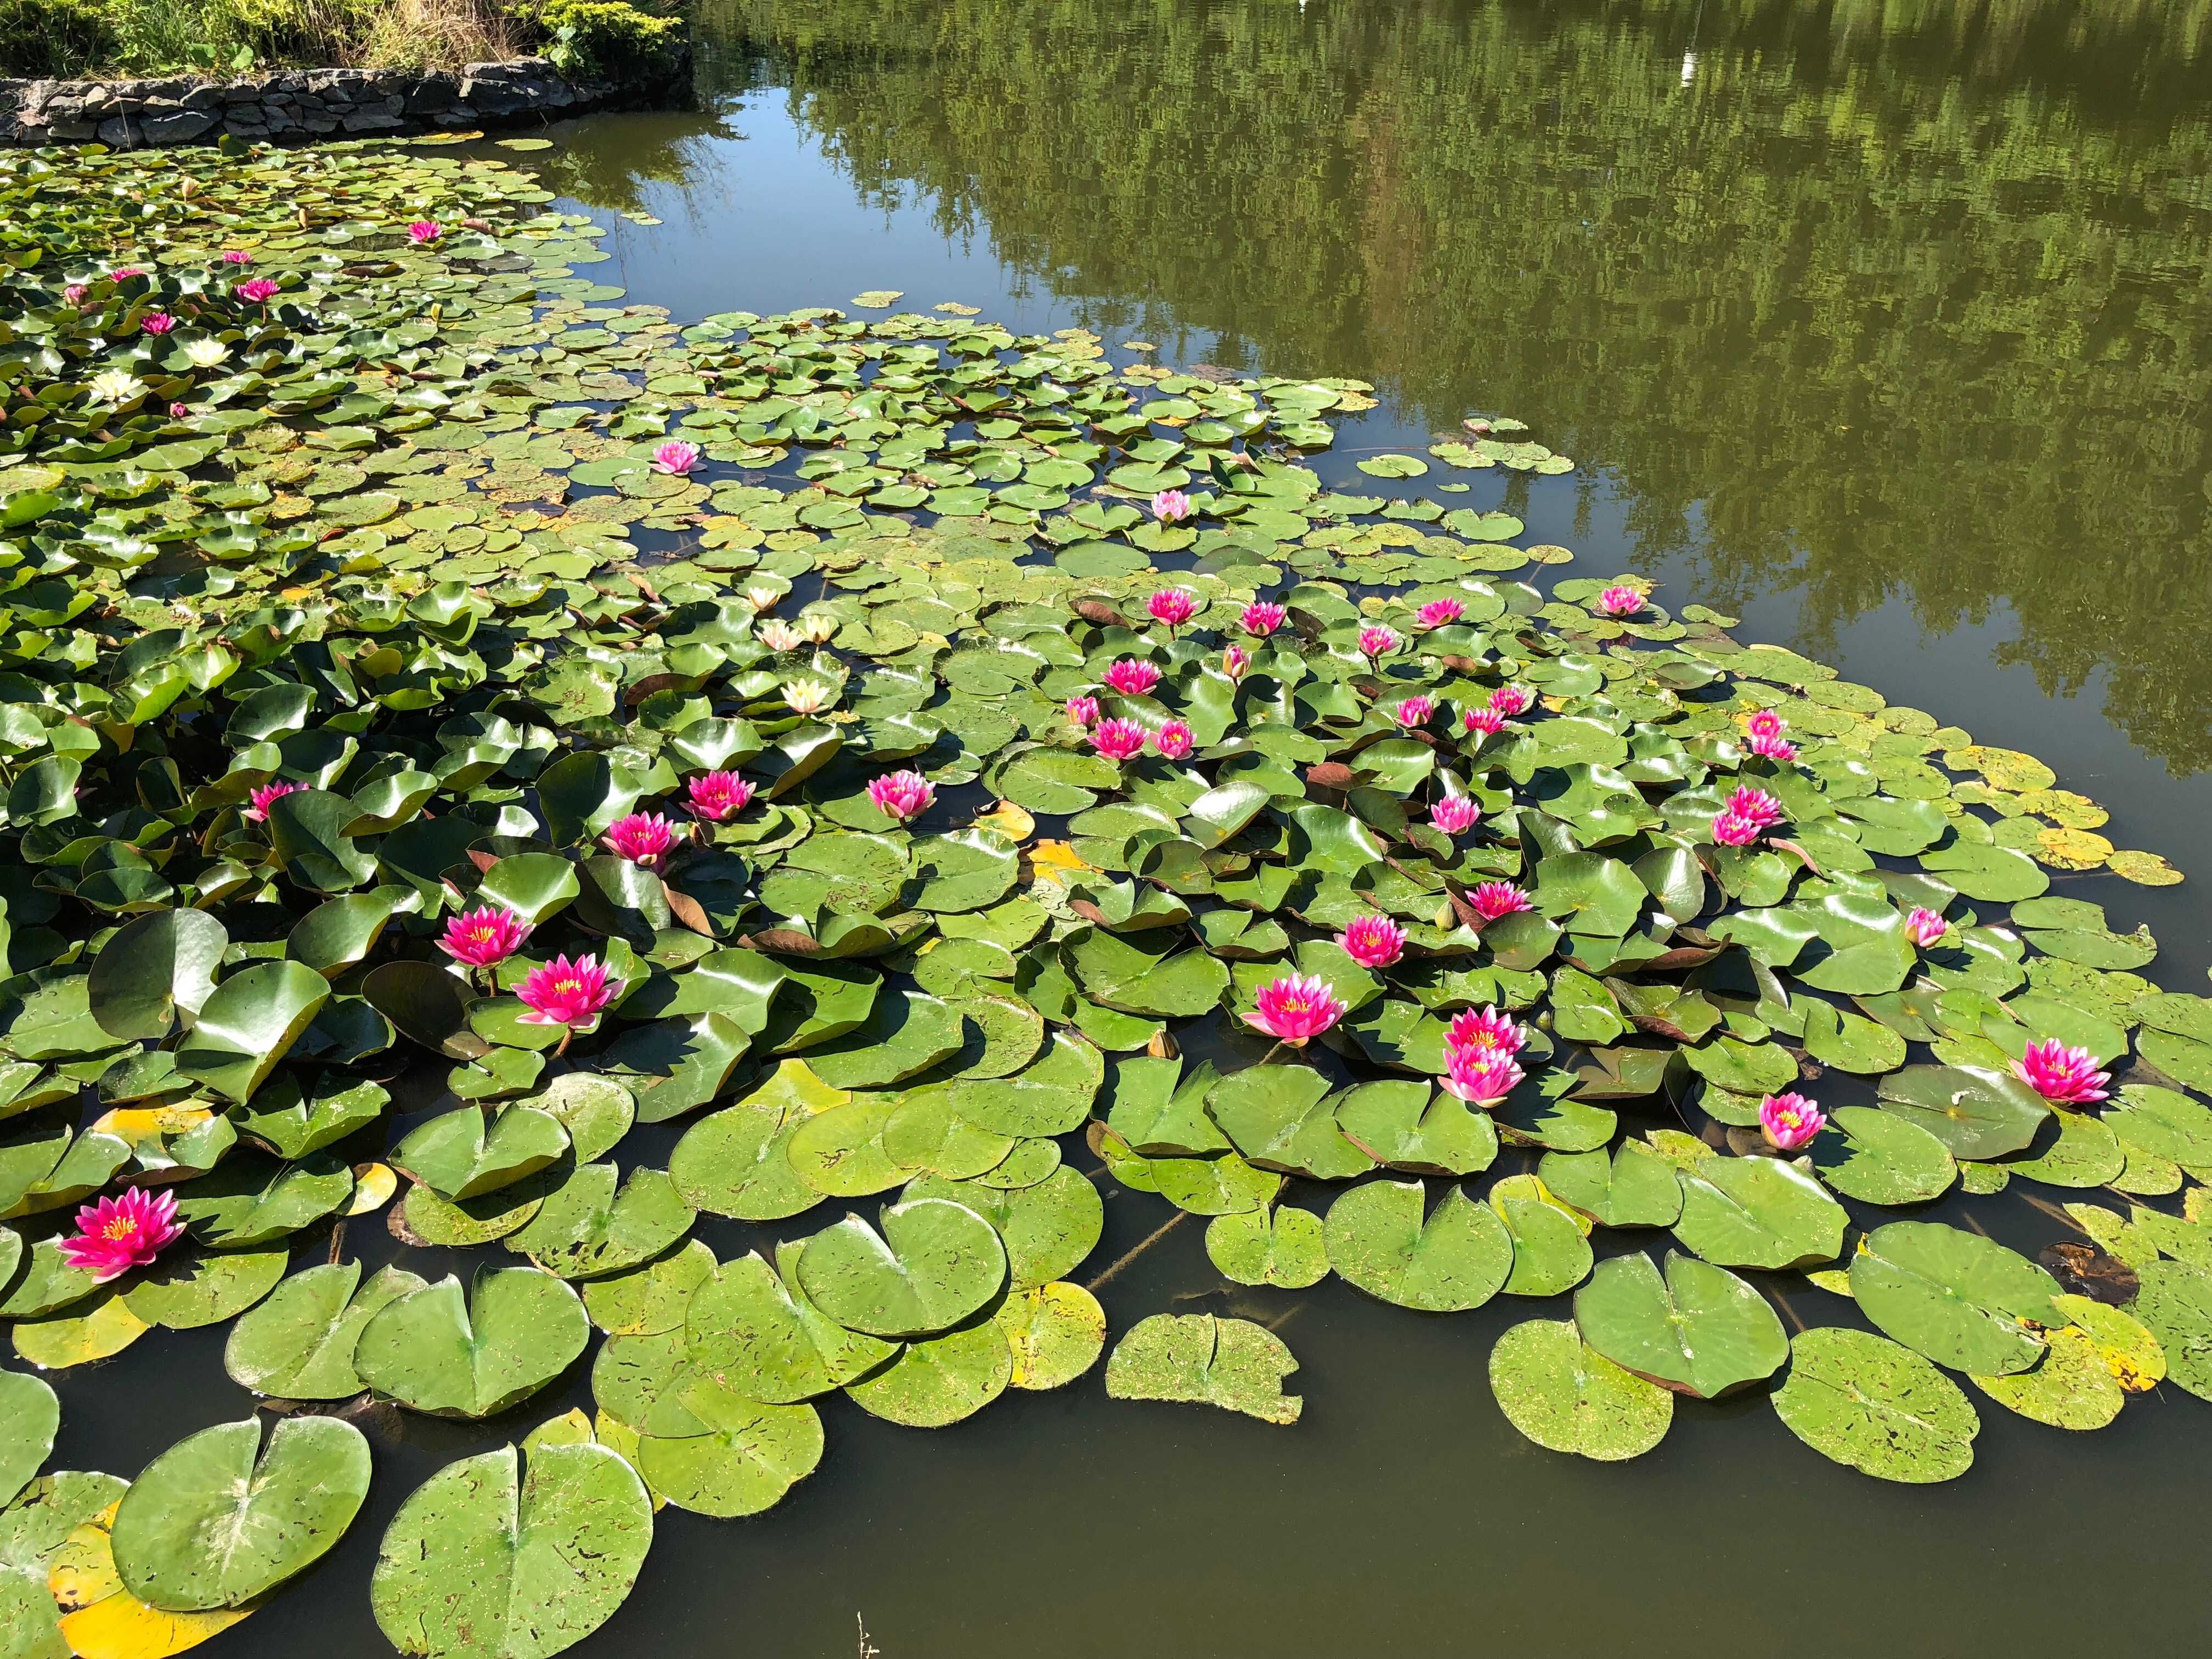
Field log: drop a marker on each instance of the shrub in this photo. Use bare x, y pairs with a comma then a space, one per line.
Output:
608, 39
52, 38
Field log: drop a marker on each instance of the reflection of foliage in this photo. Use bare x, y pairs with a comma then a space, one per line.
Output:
663, 148
1882, 307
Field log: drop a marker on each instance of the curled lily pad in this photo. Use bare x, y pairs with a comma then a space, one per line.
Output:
1700, 1331
435, 1350
1865, 1401
1200, 1359
1457, 1258
934, 1263
210, 1525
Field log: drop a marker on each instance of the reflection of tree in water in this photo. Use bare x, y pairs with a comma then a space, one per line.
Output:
1914, 310
665, 148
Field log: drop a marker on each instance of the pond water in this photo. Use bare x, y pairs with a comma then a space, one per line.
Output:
1892, 338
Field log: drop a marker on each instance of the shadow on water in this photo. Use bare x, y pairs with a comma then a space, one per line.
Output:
1888, 328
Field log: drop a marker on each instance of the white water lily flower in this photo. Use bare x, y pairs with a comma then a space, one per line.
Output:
205, 353
117, 386
820, 626
805, 696
780, 636
763, 598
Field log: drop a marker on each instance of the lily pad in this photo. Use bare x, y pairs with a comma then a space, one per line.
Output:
1565, 1395
1200, 1359
1961, 1299
1862, 1400
1701, 1331
1457, 1258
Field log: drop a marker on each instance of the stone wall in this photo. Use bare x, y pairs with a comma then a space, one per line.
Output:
303, 104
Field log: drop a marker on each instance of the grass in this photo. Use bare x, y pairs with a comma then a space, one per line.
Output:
84, 38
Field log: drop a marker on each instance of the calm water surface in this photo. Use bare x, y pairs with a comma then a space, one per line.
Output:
1889, 329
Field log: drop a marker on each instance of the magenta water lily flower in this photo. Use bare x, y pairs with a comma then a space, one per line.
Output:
1172, 605
1749, 814
178, 411
259, 291
481, 937
1377, 641
1485, 1028
73, 293
236, 256
1763, 735
1296, 1008
1373, 941
1082, 710
422, 232
1619, 600
904, 795
1492, 899
1170, 506
1775, 749
1789, 1122
1479, 1077
565, 993
1415, 712
1235, 662
1132, 676
1439, 613
1766, 724
1117, 740
1924, 926
1482, 722
675, 458
257, 810
1173, 740
2063, 1076
157, 322
1262, 617
642, 838
124, 273
1511, 700
717, 796
1454, 814
115, 1235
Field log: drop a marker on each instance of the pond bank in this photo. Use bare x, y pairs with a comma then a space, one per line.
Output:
310, 104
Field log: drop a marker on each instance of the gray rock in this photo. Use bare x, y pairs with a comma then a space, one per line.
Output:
371, 121
176, 126
120, 133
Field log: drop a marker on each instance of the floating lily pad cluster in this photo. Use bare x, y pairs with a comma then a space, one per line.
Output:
381, 591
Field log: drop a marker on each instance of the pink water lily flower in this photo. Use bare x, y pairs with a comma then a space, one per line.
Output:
1171, 507
1173, 605
1117, 740
1730, 830
157, 322
716, 796
1377, 641
675, 457
1454, 814
1757, 805
1511, 700
1774, 748
1494, 899
1131, 676
1235, 662
73, 293
1485, 1028
423, 231
1766, 724
115, 1235
2063, 1076
1619, 600
481, 937
1763, 735
1081, 711
1484, 722
178, 411
1439, 613
1480, 1077
257, 811
236, 256
259, 291
1296, 1008
1262, 617
1173, 740
1415, 712
1789, 1122
1373, 941
124, 273
904, 795
642, 838
1924, 927
565, 993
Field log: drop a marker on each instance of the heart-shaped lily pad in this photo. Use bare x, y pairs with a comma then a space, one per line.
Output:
934, 1263
1880, 1408
435, 1350
1200, 1359
1565, 1395
1700, 1331
1457, 1258
1963, 1300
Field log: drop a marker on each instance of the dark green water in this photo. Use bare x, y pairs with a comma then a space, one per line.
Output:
1889, 329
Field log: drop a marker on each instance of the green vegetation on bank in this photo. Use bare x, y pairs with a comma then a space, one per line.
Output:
591, 40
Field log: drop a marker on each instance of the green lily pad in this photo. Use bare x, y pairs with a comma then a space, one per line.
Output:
708, 1450
30, 1416
1565, 1395
1458, 1258
1864, 1402
1701, 1331
1757, 1212
435, 1350
1881, 1158
934, 1263
298, 1344
1055, 1332
937, 1381
1961, 1299
1200, 1359
1279, 1245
